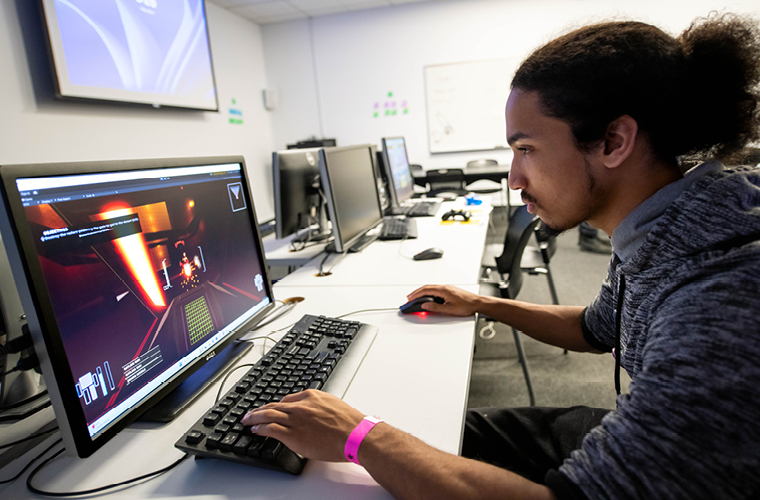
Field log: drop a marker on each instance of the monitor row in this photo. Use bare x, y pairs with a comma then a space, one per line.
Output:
341, 183
134, 275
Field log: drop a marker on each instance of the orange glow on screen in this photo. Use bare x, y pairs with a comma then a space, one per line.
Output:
134, 251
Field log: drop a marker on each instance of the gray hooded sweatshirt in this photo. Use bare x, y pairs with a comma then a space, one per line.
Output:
689, 337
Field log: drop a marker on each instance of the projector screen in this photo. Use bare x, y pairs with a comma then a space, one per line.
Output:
153, 52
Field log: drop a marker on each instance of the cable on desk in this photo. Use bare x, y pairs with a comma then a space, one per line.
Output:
403, 239
23, 401
275, 314
33, 489
227, 375
386, 309
6, 481
329, 271
28, 438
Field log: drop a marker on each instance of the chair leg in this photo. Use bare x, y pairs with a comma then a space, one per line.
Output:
552, 290
524, 363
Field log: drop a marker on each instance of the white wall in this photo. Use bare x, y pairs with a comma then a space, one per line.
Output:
360, 56
35, 127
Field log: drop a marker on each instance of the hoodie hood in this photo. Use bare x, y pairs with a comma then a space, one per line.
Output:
718, 208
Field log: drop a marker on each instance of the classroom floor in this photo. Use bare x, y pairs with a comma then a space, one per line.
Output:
558, 379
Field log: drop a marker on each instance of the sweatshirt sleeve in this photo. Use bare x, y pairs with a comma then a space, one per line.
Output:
689, 427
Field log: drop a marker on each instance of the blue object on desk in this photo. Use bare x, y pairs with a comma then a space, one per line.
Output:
473, 200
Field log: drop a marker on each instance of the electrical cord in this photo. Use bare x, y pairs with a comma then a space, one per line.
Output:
33, 489
23, 402
385, 309
227, 375
280, 311
28, 438
6, 481
403, 239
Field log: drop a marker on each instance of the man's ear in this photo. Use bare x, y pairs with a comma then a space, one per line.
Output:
619, 141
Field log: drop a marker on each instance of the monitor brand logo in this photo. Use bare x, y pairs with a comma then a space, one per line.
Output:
210, 355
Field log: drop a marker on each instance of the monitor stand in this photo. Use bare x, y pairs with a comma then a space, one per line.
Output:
195, 385
323, 231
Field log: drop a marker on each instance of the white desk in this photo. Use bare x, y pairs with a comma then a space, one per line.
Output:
390, 262
415, 376
278, 252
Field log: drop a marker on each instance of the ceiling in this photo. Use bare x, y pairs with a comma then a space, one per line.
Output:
275, 11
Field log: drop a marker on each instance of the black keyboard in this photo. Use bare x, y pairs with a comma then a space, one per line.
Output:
317, 353
418, 209
424, 209
398, 229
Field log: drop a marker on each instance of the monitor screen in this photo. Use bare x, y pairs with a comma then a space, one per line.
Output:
139, 272
397, 169
142, 51
351, 190
296, 189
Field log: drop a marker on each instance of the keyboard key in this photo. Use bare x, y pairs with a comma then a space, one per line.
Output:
211, 419
271, 449
228, 441
213, 440
254, 449
194, 437
241, 446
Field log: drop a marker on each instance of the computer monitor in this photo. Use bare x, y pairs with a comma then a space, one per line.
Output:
139, 272
350, 187
397, 170
298, 203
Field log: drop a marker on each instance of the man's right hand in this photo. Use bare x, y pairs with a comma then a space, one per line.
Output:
457, 302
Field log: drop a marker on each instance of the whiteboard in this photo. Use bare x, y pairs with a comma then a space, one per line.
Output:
465, 104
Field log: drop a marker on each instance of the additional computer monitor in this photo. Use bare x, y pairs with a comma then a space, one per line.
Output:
153, 52
298, 203
138, 272
350, 187
397, 170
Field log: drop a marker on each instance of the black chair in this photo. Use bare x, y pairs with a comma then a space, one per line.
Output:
535, 260
502, 276
486, 186
446, 183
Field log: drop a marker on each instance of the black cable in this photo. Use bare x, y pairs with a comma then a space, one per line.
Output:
14, 369
367, 310
271, 317
227, 375
94, 490
6, 481
327, 255
28, 438
23, 401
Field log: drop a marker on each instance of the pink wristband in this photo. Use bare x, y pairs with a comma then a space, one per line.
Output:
351, 451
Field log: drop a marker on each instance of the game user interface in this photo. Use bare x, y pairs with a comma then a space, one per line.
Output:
146, 271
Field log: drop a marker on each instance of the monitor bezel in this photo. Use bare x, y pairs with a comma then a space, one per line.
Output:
389, 172
56, 63
37, 304
277, 184
342, 245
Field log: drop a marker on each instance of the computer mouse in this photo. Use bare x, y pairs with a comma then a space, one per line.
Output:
415, 305
430, 253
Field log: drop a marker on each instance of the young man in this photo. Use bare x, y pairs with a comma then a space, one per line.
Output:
602, 122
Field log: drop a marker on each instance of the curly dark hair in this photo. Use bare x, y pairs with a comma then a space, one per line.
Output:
695, 97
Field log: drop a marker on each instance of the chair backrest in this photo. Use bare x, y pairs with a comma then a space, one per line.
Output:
482, 163
446, 180
521, 226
